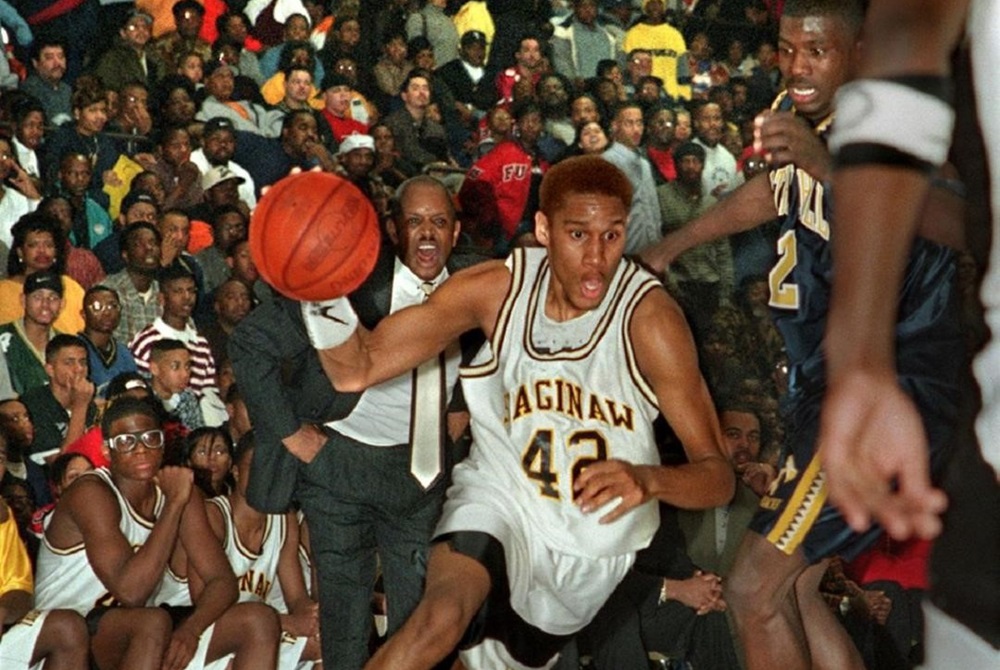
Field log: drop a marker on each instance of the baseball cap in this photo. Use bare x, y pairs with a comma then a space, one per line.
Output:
356, 141
134, 197
473, 37
332, 79
217, 123
217, 175
49, 279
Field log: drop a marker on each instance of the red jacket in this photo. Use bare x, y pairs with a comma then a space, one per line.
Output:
496, 189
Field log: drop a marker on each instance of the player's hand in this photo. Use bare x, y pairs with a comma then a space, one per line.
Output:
305, 443
176, 483
785, 138
303, 623
180, 651
604, 481
660, 255
874, 452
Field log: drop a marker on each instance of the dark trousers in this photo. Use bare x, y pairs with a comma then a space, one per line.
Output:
360, 501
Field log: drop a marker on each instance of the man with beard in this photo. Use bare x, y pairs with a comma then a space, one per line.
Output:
419, 138
218, 144
501, 189
720, 175
369, 491
553, 97
773, 591
45, 83
270, 159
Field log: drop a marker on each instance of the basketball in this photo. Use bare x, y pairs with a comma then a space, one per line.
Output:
314, 236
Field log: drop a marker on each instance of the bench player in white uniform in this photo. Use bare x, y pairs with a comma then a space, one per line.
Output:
29, 638
263, 550
875, 448
546, 513
106, 549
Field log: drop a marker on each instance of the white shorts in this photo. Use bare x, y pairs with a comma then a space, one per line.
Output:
556, 592
952, 645
18, 644
290, 651
198, 661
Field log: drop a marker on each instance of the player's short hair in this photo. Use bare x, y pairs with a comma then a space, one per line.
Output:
851, 11
60, 342
164, 346
582, 175
125, 407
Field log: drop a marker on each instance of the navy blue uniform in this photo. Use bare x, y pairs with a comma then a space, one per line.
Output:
930, 356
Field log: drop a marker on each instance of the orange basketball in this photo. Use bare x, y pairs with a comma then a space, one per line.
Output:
314, 236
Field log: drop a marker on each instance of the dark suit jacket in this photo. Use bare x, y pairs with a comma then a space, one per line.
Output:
283, 384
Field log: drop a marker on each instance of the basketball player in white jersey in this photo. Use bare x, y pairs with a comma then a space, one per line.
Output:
873, 441
106, 550
584, 349
263, 550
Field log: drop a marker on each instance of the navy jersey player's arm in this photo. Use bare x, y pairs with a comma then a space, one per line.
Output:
871, 433
469, 299
666, 356
749, 206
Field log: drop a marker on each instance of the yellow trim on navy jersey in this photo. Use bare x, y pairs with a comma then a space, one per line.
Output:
803, 507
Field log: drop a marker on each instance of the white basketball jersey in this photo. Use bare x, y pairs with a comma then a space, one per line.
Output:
65, 578
984, 27
256, 572
548, 398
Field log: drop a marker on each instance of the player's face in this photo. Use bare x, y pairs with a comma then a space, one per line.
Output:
68, 366
16, 423
741, 436
816, 55
585, 239
179, 297
42, 306
142, 463
426, 230
212, 454
172, 370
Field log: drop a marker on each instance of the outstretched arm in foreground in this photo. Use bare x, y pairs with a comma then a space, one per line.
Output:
872, 440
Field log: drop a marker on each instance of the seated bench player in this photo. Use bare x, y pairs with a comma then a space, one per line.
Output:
105, 554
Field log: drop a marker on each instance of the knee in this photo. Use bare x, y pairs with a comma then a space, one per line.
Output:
150, 627
66, 631
258, 623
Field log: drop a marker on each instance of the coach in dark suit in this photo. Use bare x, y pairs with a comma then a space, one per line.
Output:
347, 457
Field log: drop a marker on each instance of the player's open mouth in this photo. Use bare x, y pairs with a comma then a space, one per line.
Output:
802, 93
592, 288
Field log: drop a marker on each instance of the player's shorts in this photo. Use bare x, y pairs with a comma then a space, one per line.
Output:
290, 651
538, 599
18, 642
794, 513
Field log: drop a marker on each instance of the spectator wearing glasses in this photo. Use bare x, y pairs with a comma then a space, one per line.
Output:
107, 356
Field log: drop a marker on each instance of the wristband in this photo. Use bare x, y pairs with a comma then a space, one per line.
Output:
329, 323
905, 122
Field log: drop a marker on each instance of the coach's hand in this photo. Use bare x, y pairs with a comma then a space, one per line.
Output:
305, 443
604, 481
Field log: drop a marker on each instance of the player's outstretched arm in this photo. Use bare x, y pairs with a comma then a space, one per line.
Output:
468, 300
747, 207
667, 358
872, 441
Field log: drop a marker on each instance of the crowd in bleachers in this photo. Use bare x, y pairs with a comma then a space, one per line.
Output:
136, 139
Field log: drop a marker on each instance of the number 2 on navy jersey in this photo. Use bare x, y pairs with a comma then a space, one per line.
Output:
537, 458
784, 294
